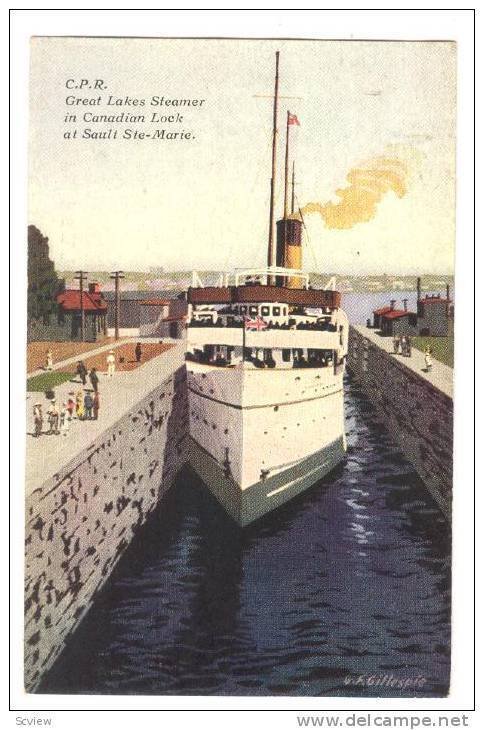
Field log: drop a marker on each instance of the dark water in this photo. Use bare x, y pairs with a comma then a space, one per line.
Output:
351, 578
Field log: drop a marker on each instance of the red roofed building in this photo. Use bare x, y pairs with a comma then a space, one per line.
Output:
434, 316
378, 314
398, 322
95, 310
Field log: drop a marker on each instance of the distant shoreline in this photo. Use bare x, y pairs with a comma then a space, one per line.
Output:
158, 280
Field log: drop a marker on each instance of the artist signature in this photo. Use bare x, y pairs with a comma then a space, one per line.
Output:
384, 680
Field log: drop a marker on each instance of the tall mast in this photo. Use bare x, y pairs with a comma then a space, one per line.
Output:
293, 183
270, 251
286, 171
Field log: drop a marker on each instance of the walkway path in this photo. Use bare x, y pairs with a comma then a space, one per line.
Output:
81, 356
96, 351
47, 454
441, 376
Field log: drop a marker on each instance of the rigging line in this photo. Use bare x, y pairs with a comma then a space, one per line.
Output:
309, 244
234, 248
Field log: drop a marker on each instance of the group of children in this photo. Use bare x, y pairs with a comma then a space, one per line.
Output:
83, 406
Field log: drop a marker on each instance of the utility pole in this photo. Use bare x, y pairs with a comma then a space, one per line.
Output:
81, 276
117, 275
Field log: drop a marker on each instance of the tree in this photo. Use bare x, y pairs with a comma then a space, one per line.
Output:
43, 283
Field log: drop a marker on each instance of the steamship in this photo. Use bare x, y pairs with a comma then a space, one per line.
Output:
265, 359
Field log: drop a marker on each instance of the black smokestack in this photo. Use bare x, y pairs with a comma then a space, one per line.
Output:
288, 247
405, 304
419, 289
392, 303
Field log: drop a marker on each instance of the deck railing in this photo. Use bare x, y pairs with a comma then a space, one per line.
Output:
313, 326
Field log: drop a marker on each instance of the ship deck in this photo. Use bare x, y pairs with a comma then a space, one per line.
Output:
264, 293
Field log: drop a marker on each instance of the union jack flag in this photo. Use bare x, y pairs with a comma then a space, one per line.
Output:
255, 324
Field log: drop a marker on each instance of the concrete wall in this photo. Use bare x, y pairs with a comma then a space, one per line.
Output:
80, 521
418, 414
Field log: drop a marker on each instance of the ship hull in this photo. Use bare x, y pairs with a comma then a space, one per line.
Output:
259, 437
247, 505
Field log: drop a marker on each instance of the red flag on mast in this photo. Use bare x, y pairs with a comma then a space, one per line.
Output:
292, 119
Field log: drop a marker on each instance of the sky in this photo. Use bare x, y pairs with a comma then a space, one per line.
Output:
374, 153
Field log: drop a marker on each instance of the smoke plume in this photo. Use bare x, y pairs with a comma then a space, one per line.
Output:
367, 184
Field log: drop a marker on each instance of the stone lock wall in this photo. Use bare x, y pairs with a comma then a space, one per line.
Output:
80, 521
418, 414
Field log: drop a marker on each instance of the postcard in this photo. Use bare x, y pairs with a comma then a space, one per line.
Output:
240, 358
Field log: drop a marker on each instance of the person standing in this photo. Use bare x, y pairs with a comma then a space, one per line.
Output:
428, 359
80, 405
409, 346
396, 344
96, 403
38, 419
53, 416
94, 378
71, 406
64, 420
137, 352
111, 363
49, 360
88, 406
82, 371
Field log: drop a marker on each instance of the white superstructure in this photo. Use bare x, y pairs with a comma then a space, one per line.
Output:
265, 381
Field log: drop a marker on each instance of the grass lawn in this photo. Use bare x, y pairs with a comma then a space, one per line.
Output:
47, 381
442, 347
